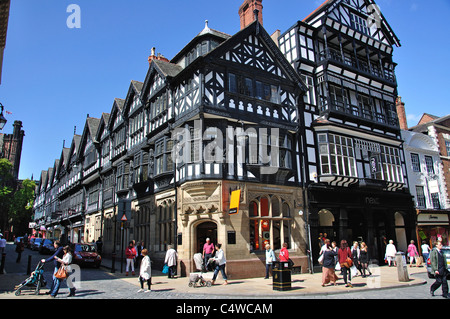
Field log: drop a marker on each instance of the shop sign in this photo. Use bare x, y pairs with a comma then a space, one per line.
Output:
372, 200
433, 218
234, 202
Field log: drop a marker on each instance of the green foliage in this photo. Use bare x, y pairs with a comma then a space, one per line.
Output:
15, 205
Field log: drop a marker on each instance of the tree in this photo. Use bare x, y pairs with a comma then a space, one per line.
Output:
21, 207
6, 191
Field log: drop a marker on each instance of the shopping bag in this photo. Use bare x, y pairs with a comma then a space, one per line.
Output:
353, 271
165, 269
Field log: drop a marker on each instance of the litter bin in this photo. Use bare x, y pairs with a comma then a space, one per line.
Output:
402, 267
281, 276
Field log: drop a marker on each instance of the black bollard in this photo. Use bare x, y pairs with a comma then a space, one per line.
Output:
29, 265
2, 264
113, 266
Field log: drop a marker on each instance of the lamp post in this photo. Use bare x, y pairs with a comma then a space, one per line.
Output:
2, 118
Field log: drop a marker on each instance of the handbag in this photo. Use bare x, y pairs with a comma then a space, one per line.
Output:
320, 260
165, 269
349, 262
61, 273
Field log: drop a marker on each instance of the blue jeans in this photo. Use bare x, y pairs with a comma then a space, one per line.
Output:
56, 283
222, 271
268, 268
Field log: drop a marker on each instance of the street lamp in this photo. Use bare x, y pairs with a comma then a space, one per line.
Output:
2, 118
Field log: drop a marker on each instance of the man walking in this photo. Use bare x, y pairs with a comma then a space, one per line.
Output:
440, 269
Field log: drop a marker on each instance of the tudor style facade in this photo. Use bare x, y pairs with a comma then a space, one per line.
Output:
237, 99
306, 130
354, 162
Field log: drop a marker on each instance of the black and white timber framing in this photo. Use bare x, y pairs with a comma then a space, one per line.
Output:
355, 168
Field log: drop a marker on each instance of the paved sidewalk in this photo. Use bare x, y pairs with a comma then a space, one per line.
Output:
383, 277
302, 284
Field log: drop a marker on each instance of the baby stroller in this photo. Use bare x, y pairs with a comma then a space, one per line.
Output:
196, 278
36, 280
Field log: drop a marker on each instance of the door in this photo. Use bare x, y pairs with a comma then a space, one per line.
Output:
205, 230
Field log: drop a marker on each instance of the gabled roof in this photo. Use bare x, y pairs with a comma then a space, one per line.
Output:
104, 120
256, 29
43, 181
134, 89
63, 159
117, 107
90, 129
74, 147
328, 5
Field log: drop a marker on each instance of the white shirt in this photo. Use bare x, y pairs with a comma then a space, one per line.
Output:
425, 249
220, 257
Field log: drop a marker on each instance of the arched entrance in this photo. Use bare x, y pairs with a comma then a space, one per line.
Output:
400, 232
205, 230
326, 224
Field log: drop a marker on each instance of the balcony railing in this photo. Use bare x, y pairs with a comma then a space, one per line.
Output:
389, 119
358, 64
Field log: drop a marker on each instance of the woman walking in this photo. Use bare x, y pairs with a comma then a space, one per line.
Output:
390, 253
356, 255
171, 261
65, 262
130, 253
145, 271
328, 274
346, 261
412, 253
220, 264
270, 258
364, 259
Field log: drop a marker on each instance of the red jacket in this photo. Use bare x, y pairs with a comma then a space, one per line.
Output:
343, 254
284, 254
130, 253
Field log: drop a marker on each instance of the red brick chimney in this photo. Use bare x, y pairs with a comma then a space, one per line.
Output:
156, 57
401, 113
247, 14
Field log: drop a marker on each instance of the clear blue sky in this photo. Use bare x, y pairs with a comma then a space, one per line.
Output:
53, 76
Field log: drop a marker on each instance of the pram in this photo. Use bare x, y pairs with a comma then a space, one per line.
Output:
196, 278
36, 280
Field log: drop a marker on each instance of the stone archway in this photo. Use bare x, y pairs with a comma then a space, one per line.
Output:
203, 230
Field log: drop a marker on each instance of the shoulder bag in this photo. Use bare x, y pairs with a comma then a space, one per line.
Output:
61, 273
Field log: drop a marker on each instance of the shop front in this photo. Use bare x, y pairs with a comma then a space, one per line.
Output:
373, 216
433, 226
267, 214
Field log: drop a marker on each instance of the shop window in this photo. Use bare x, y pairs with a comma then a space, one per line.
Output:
270, 223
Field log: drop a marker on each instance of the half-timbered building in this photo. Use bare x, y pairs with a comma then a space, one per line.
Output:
354, 163
223, 116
